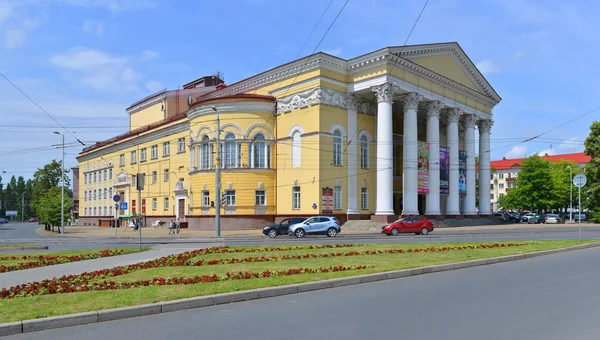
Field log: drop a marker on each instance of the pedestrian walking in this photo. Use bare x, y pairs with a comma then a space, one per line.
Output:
171, 228
177, 226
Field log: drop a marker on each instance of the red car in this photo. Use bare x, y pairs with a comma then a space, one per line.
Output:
413, 224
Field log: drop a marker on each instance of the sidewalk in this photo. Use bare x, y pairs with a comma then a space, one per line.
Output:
10, 279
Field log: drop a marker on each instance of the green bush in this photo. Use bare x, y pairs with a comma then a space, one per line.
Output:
595, 217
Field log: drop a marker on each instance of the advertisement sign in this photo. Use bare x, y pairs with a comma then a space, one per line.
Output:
423, 167
462, 172
327, 200
444, 170
133, 206
143, 206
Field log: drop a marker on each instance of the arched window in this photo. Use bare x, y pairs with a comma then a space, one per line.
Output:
206, 151
364, 152
337, 148
259, 151
296, 150
230, 152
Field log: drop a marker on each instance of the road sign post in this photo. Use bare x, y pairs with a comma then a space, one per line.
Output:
116, 198
579, 181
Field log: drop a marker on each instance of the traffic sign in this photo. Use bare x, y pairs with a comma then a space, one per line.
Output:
123, 206
116, 198
579, 180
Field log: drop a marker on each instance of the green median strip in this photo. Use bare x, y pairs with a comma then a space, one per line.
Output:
230, 269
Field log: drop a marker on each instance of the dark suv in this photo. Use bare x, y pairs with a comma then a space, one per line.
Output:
281, 228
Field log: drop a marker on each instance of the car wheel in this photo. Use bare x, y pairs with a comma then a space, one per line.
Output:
424, 231
272, 233
300, 233
395, 232
331, 232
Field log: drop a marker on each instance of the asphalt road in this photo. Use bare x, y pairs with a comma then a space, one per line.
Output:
25, 233
550, 297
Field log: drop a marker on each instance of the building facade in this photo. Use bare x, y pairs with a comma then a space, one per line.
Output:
505, 172
384, 134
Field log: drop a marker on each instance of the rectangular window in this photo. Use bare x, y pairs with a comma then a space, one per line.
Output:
260, 197
181, 145
109, 173
110, 213
364, 155
337, 198
154, 204
105, 192
84, 178
501, 176
501, 185
154, 151
153, 176
166, 149
110, 195
491, 186
166, 203
143, 155
94, 177
166, 175
133, 157
205, 155
491, 196
205, 198
500, 195
134, 180
122, 160
230, 197
94, 194
364, 199
296, 198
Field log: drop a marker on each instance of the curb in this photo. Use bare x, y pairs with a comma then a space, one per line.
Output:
35, 325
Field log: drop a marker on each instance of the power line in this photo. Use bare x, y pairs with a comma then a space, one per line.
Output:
42, 109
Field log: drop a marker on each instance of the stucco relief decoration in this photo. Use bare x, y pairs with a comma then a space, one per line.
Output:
359, 104
411, 100
384, 92
452, 115
485, 125
433, 108
300, 100
334, 98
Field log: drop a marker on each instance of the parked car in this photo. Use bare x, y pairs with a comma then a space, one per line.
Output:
33, 219
282, 227
413, 224
317, 225
536, 219
580, 216
3, 220
525, 218
554, 218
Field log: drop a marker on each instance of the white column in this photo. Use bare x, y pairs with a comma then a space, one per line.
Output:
410, 195
469, 123
385, 150
484, 166
352, 155
453, 201
127, 200
433, 138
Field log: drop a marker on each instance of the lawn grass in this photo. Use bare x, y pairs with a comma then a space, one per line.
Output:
22, 308
6, 261
18, 246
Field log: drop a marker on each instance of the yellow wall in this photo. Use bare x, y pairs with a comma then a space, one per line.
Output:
149, 115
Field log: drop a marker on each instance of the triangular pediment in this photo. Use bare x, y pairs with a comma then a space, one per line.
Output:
450, 61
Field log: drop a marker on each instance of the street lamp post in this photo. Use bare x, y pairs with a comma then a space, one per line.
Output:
218, 179
62, 186
570, 195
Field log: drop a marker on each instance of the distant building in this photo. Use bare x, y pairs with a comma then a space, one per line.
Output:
75, 182
506, 170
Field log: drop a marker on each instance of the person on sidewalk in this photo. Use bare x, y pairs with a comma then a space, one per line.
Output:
177, 225
171, 228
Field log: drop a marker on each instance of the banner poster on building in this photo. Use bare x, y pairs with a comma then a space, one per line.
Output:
444, 170
423, 167
462, 172
143, 206
327, 200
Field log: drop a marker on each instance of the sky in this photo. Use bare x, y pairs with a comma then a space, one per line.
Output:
85, 61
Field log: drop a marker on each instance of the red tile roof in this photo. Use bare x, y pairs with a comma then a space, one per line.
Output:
516, 162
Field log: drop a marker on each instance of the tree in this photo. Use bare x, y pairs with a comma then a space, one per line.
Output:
592, 169
533, 187
20, 190
49, 208
560, 177
47, 178
11, 194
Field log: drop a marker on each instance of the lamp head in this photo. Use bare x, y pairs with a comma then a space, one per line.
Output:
214, 108
56, 133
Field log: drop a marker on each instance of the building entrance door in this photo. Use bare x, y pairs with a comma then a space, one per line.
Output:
181, 209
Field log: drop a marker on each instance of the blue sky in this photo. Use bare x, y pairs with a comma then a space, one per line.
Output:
85, 61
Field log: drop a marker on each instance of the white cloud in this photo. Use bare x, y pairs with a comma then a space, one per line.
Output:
149, 55
5, 11
93, 27
518, 151
14, 38
570, 144
113, 5
154, 86
549, 152
98, 69
487, 67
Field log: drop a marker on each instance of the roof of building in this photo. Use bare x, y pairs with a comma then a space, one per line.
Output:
503, 164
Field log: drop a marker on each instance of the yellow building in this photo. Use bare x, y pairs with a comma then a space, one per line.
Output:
388, 133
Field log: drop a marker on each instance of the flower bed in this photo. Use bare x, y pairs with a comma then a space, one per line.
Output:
35, 261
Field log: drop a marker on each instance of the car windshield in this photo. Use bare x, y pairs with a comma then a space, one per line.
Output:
552, 215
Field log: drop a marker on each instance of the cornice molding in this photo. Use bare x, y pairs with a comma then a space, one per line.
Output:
230, 107
322, 95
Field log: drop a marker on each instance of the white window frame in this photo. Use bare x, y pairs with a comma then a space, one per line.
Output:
154, 203
260, 195
230, 151
296, 198
143, 155
205, 153
364, 152
110, 173
166, 175
296, 149
154, 176
364, 198
166, 203
133, 157
181, 145
154, 151
337, 198
260, 152
338, 160
205, 198
166, 149
122, 160
230, 198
